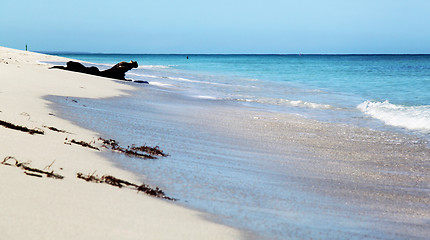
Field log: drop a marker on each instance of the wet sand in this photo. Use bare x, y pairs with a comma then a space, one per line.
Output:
273, 175
35, 205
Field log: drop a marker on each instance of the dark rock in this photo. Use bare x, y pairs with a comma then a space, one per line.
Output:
117, 72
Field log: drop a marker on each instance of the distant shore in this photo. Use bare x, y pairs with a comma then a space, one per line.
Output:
41, 194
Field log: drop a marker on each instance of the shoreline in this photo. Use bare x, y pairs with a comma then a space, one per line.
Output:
363, 182
71, 208
360, 182
194, 78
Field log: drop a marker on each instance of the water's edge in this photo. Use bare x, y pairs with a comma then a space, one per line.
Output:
204, 149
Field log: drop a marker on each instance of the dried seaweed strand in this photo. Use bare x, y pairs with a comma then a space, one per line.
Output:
133, 151
20, 128
111, 180
84, 144
28, 169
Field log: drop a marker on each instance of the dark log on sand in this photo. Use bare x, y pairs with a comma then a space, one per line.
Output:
116, 72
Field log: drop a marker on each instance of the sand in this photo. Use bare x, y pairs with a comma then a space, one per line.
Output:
279, 176
70, 208
345, 182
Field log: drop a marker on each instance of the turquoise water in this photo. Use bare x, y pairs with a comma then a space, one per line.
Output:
386, 90
242, 185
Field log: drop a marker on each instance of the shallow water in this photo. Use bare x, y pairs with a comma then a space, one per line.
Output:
258, 171
245, 147
334, 88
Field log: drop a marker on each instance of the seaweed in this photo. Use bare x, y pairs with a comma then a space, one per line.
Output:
136, 154
48, 174
33, 175
109, 143
154, 192
89, 177
20, 128
56, 129
83, 144
116, 182
49, 165
151, 150
7, 159
29, 170
134, 151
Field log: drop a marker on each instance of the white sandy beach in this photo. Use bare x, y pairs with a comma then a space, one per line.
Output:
323, 180
70, 208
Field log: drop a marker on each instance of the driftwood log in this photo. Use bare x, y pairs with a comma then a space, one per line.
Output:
116, 72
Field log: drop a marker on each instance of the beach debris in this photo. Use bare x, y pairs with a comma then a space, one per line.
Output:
49, 165
116, 182
154, 192
56, 129
116, 72
111, 180
144, 151
135, 153
21, 128
33, 175
29, 170
82, 143
89, 177
151, 150
6, 159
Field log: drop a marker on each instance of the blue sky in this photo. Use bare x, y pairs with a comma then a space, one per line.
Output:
221, 26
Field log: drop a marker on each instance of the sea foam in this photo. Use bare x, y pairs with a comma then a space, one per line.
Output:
410, 117
159, 84
153, 67
293, 103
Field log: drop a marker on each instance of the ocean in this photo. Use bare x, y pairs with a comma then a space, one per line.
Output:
255, 188
394, 89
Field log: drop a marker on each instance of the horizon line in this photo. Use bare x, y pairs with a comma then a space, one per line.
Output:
280, 54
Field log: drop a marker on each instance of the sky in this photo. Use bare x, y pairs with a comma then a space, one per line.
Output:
217, 26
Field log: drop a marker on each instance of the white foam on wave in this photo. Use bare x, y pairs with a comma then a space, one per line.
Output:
410, 117
300, 103
159, 84
294, 103
206, 97
153, 67
181, 79
170, 78
250, 79
143, 75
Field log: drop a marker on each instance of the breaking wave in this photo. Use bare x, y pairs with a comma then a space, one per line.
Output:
410, 117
